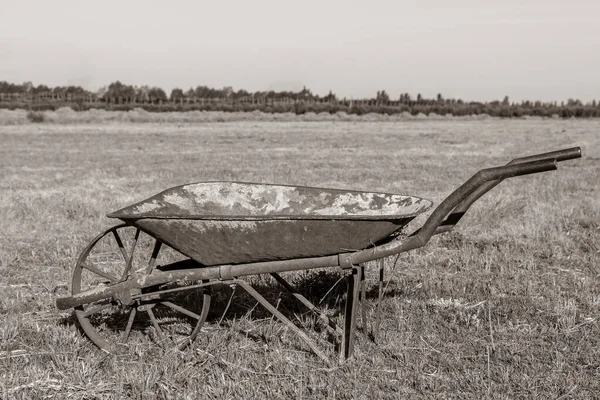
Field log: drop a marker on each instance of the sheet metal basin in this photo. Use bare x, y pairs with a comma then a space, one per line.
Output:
237, 222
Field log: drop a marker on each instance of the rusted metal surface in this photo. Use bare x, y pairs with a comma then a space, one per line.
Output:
215, 242
379, 299
352, 304
190, 270
239, 200
230, 222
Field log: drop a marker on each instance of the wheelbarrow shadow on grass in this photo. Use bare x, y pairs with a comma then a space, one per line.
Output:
232, 307
326, 289
231, 304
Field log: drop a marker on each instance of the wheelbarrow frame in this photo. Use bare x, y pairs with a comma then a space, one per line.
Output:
443, 219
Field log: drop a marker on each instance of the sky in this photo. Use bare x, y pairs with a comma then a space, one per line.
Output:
471, 49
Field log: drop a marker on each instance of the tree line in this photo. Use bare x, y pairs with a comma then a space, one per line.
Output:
120, 96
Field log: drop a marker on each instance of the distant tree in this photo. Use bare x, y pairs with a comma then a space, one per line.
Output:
41, 89
120, 91
114, 89
240, 94
330, 97
304, 94
156, 95
204, 92
284, 94
176, 95
419, 98
72, 93
382, 96
506, 101
76, 90
440, 98
6, 87
405, 98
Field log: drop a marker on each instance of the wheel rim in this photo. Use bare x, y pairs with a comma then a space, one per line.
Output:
123, 252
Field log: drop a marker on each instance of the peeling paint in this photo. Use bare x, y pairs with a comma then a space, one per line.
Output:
146, 207
244, 200
178, 200
254, 199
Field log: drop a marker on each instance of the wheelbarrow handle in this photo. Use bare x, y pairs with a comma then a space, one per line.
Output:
463, 206
480, 179
437, 217
558, 155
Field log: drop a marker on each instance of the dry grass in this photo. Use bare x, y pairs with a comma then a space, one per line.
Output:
506, 306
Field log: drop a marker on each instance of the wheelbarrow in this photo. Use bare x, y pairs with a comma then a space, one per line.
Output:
219, 232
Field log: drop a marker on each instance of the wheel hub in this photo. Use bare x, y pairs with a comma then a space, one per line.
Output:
125, 297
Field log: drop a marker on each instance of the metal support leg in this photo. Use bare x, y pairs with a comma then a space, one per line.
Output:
379, 298
251, 291
363, 299
354, 280
307, 303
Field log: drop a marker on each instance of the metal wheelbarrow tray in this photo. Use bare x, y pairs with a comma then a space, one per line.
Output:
231, 222
227, 230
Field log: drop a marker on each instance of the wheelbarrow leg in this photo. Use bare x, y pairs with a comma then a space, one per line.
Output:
265, 303
352, 297
379, 299
307, 303
363, 299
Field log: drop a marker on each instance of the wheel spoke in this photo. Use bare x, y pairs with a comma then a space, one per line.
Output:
98, 271
129, 325
110, 332
120, 244
159, 331
129, 260
152, 261
181, 309
97, 309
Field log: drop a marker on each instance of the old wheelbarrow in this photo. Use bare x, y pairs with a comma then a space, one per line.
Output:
218, 232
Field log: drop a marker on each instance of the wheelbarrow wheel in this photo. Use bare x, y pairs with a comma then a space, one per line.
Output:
171, 315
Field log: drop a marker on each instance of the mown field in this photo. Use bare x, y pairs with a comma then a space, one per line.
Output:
506, 306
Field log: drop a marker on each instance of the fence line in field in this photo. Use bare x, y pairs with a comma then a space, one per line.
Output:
299, 105
51, 97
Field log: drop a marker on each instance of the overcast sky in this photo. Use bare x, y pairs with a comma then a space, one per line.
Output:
471, 49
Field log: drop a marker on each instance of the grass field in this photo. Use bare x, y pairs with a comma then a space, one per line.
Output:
506, 306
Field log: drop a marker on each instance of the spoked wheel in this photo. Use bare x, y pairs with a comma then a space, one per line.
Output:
170, 315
